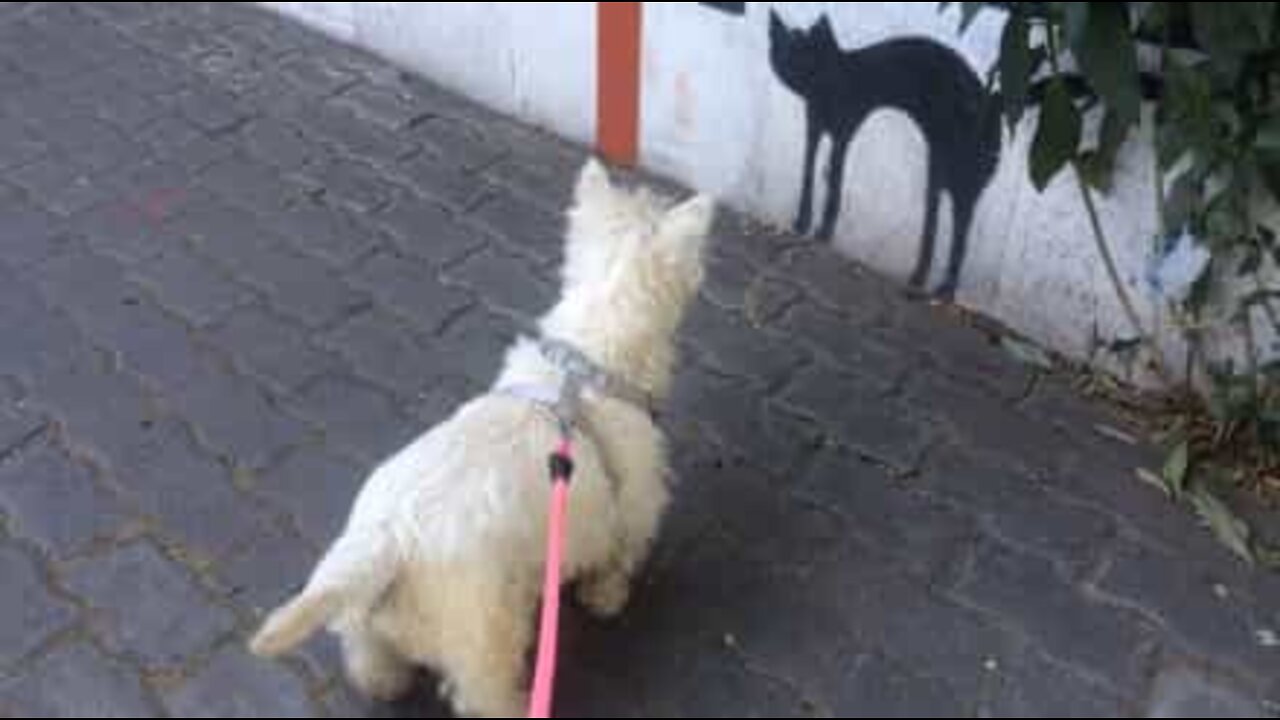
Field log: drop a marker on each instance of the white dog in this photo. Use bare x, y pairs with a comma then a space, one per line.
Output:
442, 560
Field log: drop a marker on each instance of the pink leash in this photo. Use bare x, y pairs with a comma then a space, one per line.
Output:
549, 634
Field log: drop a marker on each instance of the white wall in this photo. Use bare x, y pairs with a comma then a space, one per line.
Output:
533, 60
716, 116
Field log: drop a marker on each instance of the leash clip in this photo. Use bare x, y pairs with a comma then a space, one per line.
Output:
561, 467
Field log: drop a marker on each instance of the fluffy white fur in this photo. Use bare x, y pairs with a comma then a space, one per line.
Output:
441, 562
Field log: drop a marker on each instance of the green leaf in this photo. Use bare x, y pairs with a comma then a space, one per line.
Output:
1267, 237
1269, 171
1189, 105
1229, 529
1075, 17
1155, 481
1177, 469
1269, 558
1124, 346
1182, 203
1172, 145
1202, 290
1154, 20
1235, 398
1251, 263
1100, 164
1268, 139
1027, 354
1108, 55
1115, 132
1258, 299
1226, 215
1096, 170
1263, 17
1017, 65
1230, 31
1058, 136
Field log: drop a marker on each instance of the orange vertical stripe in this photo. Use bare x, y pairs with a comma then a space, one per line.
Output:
618, 94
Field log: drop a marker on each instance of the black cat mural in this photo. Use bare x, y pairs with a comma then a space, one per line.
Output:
930, 83
731, 8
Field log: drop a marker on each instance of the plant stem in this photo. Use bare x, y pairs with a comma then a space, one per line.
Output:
1117, 281
1101, 239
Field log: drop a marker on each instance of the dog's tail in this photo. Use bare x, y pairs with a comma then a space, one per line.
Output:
352, 578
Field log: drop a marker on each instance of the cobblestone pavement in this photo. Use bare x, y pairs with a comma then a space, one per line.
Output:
239, 263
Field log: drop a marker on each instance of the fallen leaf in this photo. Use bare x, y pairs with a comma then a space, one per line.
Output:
1026, 353
1113, 433
1154, 480
1268, 639
1268, 557
1230, 530
1178, 469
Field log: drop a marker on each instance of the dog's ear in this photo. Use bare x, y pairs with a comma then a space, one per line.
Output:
593, 182
685, 231
690, 221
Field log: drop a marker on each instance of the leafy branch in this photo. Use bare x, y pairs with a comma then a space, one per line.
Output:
1207, 75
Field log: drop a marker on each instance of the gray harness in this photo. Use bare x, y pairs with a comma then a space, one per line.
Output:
578, 374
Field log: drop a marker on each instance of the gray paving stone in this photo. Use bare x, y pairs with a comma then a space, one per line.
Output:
77, 681
1019, 509
424, 229
1202, 606
149, 609
32, 614
186, 285
237, 686
1184, 693
316, 487
56, 503
386, 351
890, 513
354, 417
266, 346
19, 424
324, 232
506, 282
410, 290
191, 496
1106, 641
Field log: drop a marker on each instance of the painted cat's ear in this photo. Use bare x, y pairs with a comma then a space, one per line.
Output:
824, 27
593, 182
777, 28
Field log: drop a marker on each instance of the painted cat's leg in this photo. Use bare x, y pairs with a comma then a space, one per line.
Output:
835, 186
929, 240
804, 222
965, 208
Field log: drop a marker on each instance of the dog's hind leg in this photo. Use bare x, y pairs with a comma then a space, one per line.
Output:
374, 667
642, 500
486, 633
